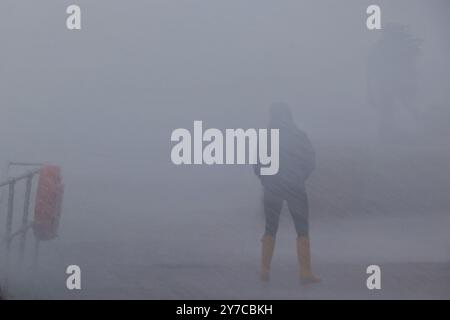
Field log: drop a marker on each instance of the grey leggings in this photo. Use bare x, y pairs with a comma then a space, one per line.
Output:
297, 202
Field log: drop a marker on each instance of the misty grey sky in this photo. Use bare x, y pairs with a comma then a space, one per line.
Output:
158, 61
139, 69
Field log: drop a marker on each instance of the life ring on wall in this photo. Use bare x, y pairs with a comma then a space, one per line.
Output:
49, 197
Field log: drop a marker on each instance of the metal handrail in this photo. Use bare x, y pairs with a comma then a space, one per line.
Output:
25, 226
17, 233
19, 177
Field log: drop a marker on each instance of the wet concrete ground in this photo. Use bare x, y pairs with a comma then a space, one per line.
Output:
415, 264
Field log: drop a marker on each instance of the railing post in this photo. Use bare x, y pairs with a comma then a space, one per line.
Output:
34, 267
26, 212
9, 222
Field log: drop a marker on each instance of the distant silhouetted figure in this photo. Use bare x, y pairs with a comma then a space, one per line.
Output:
297, 161
392, 76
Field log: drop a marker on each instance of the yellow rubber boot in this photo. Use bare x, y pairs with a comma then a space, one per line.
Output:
304, 260
268, 245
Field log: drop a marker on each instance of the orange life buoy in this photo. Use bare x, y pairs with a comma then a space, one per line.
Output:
49, 196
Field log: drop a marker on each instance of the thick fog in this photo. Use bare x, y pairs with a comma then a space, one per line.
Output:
103, 101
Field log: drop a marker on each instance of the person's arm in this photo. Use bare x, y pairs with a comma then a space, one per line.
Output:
312, 155
257, 168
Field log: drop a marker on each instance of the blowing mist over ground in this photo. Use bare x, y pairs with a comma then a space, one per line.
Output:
102, 103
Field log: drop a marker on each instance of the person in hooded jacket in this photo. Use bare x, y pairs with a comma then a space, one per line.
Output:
296, 162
